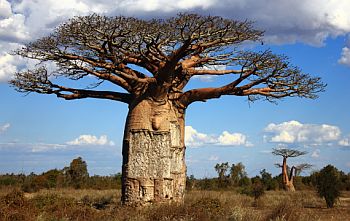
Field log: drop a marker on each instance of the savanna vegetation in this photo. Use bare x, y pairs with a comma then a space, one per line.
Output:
71, 194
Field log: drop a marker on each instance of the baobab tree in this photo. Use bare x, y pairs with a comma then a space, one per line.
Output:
288, 180
221, 169
152, 61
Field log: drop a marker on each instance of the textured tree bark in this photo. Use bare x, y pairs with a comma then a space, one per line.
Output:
287, 181
289, 186
153, 153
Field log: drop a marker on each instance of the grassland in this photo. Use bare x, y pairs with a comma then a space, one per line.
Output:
86, 205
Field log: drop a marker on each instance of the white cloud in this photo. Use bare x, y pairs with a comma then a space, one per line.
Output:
13, 28
165, 6
44, 147
8, 66
91, 140
316, 153
4, 127
209, 78
345, 56
296, 132
193, 138
345, 142
316, 20
234, 139
5, 9
22, 21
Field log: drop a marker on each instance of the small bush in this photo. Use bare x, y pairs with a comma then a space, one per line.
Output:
15, 199
14, 207
255, 190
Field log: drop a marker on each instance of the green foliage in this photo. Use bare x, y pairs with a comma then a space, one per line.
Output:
76, 176
267, 180
221, 169
77, 173
328, 184
237, 173
257, 190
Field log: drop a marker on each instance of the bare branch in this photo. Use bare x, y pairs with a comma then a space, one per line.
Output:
116, 49
38, 81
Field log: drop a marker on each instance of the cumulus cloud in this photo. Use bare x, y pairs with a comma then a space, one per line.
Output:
4, 127
296, 132
12, 25
316, 20
5, 9
234, 139
193, 138
345, 56
345, 142
22, 21
8, 66
91, 140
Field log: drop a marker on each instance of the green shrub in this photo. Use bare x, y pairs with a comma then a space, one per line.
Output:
328, 184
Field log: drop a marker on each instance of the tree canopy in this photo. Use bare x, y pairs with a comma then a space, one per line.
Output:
285, 152
172, 51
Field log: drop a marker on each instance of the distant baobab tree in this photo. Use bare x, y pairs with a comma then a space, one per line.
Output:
288, 180
152, 61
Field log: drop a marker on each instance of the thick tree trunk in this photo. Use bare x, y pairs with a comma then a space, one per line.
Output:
287, 181
153, 153
289, 186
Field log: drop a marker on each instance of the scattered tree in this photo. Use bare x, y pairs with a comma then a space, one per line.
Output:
328, 184
288, 180
190, 182
267, 180
237, 173
77, 172
152, 61
221, 169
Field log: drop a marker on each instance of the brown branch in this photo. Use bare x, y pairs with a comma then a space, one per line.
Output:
81, 93
38, 81
204, 94
172, 50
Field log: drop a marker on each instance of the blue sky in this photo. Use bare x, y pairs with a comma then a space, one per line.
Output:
41, 132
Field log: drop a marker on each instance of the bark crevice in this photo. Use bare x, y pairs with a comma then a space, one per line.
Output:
153, 154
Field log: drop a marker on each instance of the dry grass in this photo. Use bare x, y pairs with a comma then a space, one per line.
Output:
69, 204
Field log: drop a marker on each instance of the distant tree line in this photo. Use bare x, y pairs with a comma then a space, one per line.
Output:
73, 176
327, 182
235, 177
